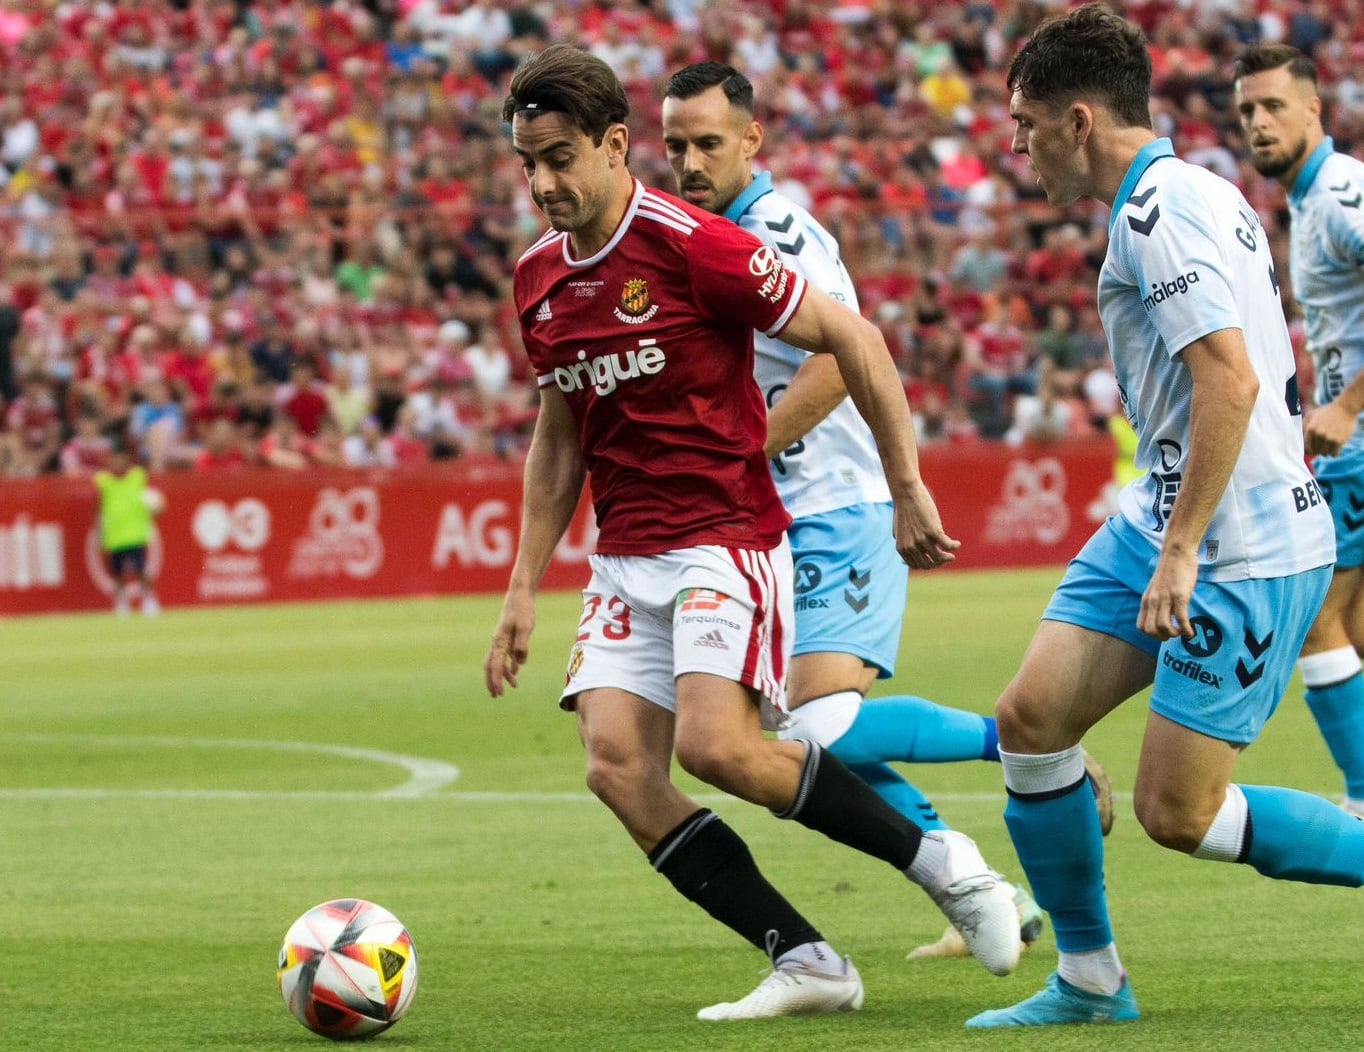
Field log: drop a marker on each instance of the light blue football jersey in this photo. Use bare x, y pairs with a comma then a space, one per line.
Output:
1326, 206
835, 465
1187, 257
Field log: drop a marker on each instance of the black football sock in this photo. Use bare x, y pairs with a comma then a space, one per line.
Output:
710, 865
834, 801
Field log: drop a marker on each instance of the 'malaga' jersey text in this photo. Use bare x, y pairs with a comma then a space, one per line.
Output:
1186, 258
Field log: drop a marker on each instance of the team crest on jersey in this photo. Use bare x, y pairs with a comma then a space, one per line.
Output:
634, 307
575, 660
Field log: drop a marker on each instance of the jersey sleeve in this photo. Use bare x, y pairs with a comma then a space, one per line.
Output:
1344, 220
534, 351
1175, 256
735, 275
807, 249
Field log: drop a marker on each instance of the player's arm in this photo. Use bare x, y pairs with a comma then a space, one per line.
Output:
823, 325
552, 487
814, 392
1328, 427
1224, 391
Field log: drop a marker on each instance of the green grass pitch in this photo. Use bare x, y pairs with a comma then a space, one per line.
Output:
173, 793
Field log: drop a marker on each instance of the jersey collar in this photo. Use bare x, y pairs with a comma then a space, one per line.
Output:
1146, 156
1303, 182
759, 187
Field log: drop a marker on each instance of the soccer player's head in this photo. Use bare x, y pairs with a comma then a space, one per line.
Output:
710, 134
567, 111
1078, 75
1279, 108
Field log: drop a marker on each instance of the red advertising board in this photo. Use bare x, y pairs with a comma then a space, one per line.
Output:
266, 536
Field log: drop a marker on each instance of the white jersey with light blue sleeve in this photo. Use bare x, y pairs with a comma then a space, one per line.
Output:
835, 465
1326, 206
1186, 258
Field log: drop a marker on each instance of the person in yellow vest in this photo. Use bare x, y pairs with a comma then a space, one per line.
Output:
127, 506
1125, 457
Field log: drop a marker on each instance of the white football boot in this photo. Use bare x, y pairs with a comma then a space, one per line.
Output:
793, 989
978, 902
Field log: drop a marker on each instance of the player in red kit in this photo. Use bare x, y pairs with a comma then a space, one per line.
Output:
637, 312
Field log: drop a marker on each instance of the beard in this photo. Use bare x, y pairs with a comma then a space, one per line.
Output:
1273, 167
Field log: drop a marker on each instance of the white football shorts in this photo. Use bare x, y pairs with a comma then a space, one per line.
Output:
648, 619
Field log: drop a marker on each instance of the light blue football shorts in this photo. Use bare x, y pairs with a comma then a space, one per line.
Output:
850, 584
1225, 681
1341, 479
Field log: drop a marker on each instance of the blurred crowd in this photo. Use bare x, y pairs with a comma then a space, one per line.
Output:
282, 232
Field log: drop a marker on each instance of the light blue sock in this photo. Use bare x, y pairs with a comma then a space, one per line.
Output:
1298, 836
1339, 712
897, 792
914, 730
1058, 841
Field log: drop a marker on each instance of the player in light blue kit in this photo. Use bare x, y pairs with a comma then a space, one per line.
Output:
1276, 98
850, 583
1205, 582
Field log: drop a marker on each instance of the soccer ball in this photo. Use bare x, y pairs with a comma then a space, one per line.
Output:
347, 969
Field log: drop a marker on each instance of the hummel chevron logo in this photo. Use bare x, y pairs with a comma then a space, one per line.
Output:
791, 248
858, 603
1355, 503
1353, 202
1355, 521
1247, 675
1145, 226
1258, 646
1140, 199
859, 580
1341, 188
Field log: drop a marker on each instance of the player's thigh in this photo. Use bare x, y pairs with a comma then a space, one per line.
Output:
820, 674
625, 731
1336, 621
1225, 681
850, 588
1070, 679
1087, 656
1181, 782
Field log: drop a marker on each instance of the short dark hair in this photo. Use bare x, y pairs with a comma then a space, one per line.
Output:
564, 79
700, 76
1261, 58
1090, 53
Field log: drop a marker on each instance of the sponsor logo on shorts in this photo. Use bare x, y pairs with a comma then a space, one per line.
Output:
1193, 670
694, 599
807, 602
1207, 638
713, 638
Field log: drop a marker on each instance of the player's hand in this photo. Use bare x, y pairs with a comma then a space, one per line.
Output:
1327, 429
1165, 603
919, 535
511, 643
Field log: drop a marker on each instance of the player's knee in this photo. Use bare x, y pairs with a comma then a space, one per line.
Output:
615, 776
1172, 823
1020, 721
715, 762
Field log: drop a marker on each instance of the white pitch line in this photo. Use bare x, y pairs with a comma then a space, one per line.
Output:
425, 776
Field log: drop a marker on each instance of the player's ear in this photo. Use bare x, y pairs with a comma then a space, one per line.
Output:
752, 139
617, 144
1081, 122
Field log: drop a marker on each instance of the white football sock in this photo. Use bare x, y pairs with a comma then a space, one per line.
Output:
1094, 971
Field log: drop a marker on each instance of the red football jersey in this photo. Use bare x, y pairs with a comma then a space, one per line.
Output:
651, 343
